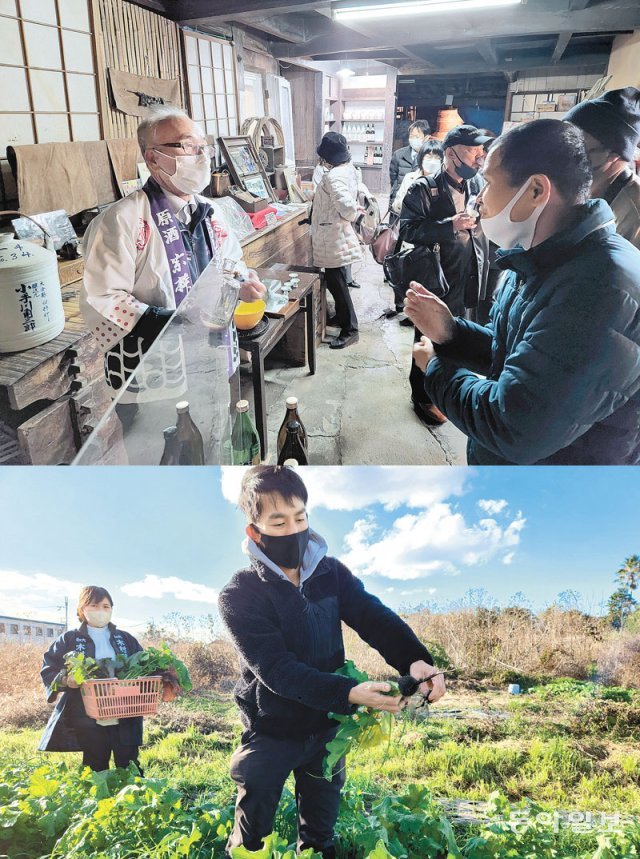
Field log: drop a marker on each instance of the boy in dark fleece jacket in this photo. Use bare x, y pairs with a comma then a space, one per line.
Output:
284, 614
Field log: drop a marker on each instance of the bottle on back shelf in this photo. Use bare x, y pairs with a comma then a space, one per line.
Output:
291, 414
293, 448
245, 442
188, 439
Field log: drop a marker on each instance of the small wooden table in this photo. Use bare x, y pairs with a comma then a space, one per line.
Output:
305, 297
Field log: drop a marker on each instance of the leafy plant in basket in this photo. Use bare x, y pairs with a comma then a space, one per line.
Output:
146, 663
155, 660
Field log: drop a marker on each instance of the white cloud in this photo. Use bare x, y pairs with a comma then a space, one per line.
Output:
37, 595
419, 545
157, 587
508, 558
492, 505
340, 488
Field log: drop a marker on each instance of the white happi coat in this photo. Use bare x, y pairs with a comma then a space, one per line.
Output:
126, 268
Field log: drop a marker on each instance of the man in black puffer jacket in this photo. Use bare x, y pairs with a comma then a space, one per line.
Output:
284, 614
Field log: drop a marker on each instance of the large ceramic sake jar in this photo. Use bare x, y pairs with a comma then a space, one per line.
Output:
31, 311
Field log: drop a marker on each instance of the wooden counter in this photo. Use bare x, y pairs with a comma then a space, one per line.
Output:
288, 242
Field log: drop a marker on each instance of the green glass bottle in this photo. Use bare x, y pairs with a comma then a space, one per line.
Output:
245, 442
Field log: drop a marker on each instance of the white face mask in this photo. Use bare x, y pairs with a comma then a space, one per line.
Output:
97, 616
416, 142
430, 166
192, 172
504, 232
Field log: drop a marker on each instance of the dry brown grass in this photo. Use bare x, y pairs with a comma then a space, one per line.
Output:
496, 643
619, 661
20, 668
478, 643
27, 709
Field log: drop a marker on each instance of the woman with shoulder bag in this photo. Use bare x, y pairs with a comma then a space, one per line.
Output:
333, 239
69, 729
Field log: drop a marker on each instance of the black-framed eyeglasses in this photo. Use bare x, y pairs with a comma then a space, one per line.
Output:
191, 148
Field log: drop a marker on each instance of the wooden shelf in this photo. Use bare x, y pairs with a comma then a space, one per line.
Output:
368, 142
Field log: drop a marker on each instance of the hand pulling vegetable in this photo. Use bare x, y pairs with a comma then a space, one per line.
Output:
367, 727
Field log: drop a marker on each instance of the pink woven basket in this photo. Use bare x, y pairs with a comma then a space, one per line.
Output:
121, 699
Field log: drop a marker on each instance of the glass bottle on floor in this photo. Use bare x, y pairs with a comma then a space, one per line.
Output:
245, 442
292, 448
188, 438
170, 452
291, 414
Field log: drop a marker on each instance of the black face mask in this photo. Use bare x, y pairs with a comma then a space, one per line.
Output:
463, 170
286, 551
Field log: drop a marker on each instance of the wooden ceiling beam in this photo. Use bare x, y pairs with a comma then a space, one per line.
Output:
477, 67
561, 47
199, 11
487, 51
337, 41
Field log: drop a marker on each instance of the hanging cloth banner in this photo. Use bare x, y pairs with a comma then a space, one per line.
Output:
134, 94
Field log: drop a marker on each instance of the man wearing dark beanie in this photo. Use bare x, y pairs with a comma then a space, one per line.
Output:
611, 128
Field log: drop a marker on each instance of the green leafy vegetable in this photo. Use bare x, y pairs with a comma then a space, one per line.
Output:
274, 847
155, 661
363, 729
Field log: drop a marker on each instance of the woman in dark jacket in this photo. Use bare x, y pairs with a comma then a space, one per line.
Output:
70, 729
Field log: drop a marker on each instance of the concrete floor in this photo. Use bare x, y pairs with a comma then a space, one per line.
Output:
356, 409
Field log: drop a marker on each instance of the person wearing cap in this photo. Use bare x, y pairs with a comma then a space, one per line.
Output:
611, 128
554, 379
405, 159
434, 213
334, 242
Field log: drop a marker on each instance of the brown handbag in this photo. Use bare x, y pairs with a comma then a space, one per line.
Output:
384, 240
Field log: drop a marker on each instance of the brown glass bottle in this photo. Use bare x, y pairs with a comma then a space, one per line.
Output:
292, 448
170, 452
292, 415
188, 438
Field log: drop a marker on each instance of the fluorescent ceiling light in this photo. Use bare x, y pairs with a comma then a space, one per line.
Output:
345, 73
418, 7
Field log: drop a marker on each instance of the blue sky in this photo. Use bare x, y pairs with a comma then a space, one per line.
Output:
166, 540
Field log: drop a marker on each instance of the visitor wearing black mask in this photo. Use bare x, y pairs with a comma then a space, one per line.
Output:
435, 213
284, 612
611, 128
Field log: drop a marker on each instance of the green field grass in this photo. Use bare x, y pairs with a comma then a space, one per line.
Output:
566, 746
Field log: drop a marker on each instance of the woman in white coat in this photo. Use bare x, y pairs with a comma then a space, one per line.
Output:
335, 244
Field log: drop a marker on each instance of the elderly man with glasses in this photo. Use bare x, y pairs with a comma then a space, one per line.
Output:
145, 252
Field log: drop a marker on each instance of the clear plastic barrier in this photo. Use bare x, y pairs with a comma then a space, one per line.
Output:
193, 359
